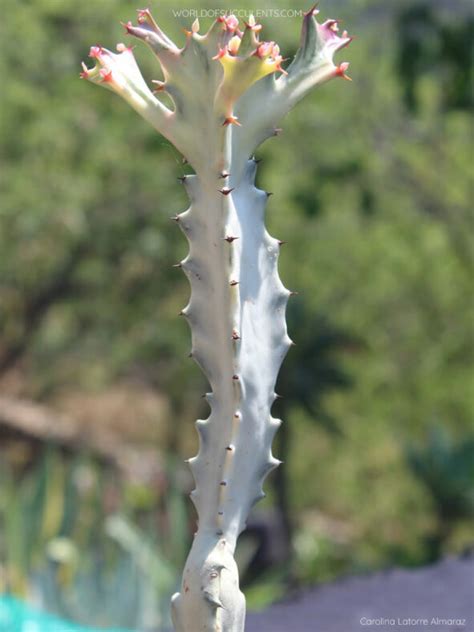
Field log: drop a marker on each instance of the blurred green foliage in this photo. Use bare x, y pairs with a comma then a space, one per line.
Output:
372, 185
64, 543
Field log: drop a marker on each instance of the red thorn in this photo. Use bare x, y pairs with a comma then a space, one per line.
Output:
160, 85
96, 51
230, 239
341, 71
106, 75
232, 120
222, 53
235, 335
128, 27
225, 190
235, 377
224, 174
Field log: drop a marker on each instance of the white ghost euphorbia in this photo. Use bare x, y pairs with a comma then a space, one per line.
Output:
229, 92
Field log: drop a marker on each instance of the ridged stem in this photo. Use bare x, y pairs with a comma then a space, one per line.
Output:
237, 318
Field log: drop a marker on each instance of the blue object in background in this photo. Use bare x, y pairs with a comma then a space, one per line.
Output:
16, 616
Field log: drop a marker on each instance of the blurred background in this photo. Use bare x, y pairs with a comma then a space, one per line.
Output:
97, 395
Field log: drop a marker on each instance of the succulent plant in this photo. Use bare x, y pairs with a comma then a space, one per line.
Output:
229, 92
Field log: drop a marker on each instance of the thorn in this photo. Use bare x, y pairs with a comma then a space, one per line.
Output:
106, 75
182, 313
223, 483
277, 131
229, 239
264, 50
252, 24
313, 11
121, 48
220, 513
235, 377
234, 283
232, 120
341, 71
222, 53
95, 52
292, 343
281, 242
277, 396
85, 71
235, 335
257, 161
175, 218
293, 293
225, 190
160, 85
190, 354
177, 265
229, 448
237, 415
220, 532
333, 25
224, 174
127, 26
184, 161
269, 193
182, 179
350, 39
143, 14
